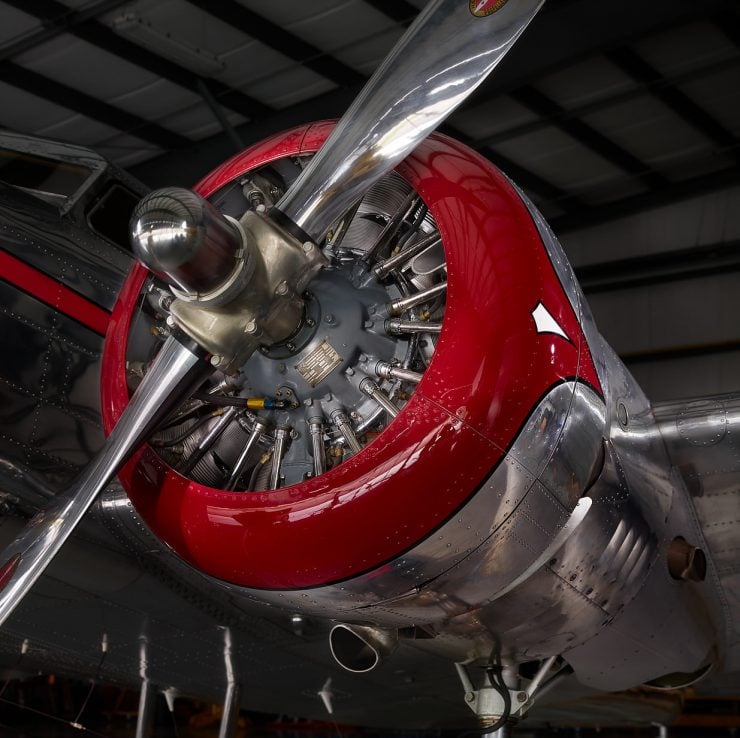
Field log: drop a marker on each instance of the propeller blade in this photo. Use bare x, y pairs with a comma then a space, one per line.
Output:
175, 374
446, 53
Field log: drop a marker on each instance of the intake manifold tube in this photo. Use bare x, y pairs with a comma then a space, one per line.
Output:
360, 648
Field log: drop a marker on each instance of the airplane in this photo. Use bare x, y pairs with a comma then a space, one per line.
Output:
374, 458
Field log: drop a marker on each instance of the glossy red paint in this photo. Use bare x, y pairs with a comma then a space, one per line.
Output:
54, 294
489, 371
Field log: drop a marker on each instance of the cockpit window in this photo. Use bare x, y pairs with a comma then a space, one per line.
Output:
110, 215
51, 180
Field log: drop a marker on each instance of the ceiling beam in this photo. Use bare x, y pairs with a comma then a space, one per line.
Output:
611, 100
665, 266
634, 66
89, 106
398, 10
671, 353
280, 39
567, 31
58, 26
100, 35
586, 135
672, 192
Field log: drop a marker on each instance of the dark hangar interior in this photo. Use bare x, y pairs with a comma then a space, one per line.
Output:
620, 120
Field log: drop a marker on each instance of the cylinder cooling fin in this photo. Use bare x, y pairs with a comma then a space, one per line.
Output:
421, 350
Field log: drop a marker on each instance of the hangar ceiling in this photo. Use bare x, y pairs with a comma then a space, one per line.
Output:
620, 120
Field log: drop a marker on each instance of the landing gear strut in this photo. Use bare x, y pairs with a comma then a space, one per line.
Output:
500, 699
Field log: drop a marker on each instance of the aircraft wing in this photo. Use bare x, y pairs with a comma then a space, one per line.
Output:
703, 441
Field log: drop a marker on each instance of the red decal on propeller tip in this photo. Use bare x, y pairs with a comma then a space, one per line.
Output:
482, 8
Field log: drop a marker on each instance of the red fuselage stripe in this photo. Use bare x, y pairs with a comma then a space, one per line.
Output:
54, 294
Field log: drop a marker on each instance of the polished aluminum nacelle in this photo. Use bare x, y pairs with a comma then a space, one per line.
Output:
523, 495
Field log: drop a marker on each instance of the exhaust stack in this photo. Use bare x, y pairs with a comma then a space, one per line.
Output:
360, 648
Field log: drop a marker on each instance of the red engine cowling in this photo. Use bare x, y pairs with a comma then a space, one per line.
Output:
518, 498
493, 364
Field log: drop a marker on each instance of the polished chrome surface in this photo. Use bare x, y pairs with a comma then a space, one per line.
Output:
372, 390
315, 422
398, 327
176, 372
702, 437
185, 240
389, 371
258, 428
341, 421
282, 436
446, 53
230, 713
145, 714
397, 307
39, 385
359, 649
576, 518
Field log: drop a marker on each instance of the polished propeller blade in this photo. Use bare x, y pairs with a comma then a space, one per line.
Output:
446, 53
175, 374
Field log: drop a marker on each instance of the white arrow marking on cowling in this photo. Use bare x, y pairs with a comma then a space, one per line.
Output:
545, 323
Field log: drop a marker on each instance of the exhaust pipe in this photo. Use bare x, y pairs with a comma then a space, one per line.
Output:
360, 648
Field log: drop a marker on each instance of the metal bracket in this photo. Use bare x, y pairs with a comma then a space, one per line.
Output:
487, 702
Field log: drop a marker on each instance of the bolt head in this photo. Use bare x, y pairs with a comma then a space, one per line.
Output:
282, 288
329, 318
308, 247
171, 321
216, 360
522, 696
251, 326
